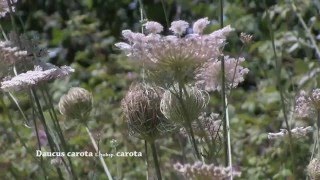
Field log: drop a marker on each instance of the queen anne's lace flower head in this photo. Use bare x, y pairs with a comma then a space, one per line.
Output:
179, 27
201, 171
308, 104
10, 54
297, 132
154, 27
34, 77
211, 74
200, 24
185, 59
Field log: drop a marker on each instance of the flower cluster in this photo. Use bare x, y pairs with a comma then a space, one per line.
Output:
10, 54
34, 77
200, 171
210, 76
181, 57
308, 105
297, 132
210, 126
5, 8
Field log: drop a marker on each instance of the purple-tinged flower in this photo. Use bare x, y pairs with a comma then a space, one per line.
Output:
179, 27
43, 140
199, 25
153, 27
210, 76
173, 58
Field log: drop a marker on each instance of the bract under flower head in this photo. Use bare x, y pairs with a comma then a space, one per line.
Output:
184, 109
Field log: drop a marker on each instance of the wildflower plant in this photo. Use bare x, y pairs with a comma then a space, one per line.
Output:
186, 66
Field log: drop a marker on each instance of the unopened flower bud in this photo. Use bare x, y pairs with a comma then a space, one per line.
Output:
76, 104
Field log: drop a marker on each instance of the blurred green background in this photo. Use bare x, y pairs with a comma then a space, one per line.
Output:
82, 33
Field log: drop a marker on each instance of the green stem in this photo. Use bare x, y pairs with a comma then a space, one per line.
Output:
46, 129
187, 120
223, 96
165, 12
5, 109
305, 27
58, 129
279, 84
146, 160
155, 159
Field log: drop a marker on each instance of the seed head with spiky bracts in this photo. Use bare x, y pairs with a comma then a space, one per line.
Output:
141, 108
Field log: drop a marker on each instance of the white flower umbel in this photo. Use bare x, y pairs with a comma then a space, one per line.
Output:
33, 78
210, 76
153, 27
199, 25
308, 104
10, 54
175, 58
297, 132
200, 170
179, 27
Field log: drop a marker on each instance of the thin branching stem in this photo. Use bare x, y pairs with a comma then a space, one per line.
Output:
46, 128
307, 30
187, 120
165, 12
281, 92
6, 110
55, 121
